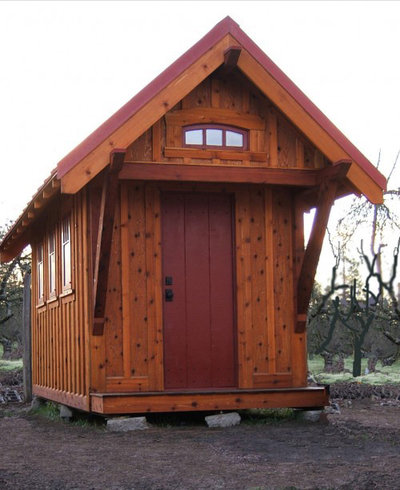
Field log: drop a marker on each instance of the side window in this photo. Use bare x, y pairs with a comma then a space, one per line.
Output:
52, 264
66, 254
214, 136
39, 269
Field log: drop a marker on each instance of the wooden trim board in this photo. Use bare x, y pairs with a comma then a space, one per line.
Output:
119, 403
71, 399
207, 173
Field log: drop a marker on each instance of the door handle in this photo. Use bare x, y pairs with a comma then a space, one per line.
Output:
169, 295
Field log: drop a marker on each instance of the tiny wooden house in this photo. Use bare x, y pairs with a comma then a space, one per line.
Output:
169, 271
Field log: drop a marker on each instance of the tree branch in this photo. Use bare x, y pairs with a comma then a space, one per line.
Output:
6, 318
391, 338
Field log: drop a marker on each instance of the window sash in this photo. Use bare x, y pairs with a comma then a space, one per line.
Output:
216, 136
52, 265
40, 275
66, 254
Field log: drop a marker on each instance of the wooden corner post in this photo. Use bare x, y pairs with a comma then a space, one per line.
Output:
27, 339
109, 198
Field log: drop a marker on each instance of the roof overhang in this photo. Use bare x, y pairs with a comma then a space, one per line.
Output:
226, 44
135, 117
18, 237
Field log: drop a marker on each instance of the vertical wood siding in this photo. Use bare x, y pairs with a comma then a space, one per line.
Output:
265, 294
132, 343
281, 143
264, 225
268, 244
59, 326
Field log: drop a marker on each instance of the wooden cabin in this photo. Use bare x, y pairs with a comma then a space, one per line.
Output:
169, 271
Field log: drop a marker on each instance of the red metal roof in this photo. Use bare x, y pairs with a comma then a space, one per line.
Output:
19, 221
226, 26
144, 96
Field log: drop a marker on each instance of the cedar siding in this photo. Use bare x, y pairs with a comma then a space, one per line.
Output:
180, 249
60, 323
273, 141
129, 357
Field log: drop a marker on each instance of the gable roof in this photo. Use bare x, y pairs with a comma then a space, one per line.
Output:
92, 155
84, 162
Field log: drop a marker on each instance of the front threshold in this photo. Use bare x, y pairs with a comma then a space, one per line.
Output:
133, 403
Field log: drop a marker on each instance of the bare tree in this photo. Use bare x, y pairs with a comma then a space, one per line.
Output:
362, 308
378, 218
11, 288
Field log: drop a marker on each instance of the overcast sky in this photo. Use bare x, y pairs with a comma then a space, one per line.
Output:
65, 67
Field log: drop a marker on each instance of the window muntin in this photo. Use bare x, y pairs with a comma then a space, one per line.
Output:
52, 264
39, 268
214, 136
66, 254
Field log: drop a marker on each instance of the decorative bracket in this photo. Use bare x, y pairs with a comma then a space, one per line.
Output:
108, 202
329, 181
231, 58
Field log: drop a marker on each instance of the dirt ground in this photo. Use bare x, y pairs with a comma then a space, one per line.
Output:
356, 449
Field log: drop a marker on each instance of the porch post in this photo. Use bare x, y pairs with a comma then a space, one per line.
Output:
27, 338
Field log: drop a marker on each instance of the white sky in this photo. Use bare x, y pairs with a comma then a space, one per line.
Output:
65, 67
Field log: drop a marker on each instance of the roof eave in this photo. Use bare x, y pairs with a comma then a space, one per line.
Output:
307, 105
361, 170
223, 28
144, 96
16, 239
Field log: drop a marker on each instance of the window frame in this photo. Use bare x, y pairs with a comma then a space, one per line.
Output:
52, 264
66, 266
224, 128
40, 272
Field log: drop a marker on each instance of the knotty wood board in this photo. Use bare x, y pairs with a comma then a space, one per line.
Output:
145, 117
280, 398
261, 225
59, 327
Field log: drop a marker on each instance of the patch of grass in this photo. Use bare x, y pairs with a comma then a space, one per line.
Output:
267, 415
250, 416
384, 374
6, 413
89, 421
9, 365
48, 410
51, 411
14, 365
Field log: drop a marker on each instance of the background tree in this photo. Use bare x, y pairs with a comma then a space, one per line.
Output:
11, 294
366, 313
361, 301
375, 222
326, 337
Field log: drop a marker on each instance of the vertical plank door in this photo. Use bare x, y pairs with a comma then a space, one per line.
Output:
199, 320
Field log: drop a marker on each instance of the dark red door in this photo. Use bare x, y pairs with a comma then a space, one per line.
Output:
197, 241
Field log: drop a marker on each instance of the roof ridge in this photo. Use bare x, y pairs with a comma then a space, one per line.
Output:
226, 26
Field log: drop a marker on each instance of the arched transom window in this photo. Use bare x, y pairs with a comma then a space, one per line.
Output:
214, 136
